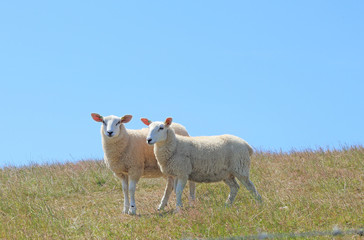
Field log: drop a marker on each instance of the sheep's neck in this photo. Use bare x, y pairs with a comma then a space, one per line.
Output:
166, 149
115, 147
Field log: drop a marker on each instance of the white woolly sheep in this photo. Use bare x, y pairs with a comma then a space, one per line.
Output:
128, 155
201, 159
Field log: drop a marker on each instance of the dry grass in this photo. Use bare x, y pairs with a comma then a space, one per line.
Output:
302, 191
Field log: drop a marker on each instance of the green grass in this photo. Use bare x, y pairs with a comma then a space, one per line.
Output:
302, 191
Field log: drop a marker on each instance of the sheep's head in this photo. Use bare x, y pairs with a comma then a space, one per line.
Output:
157, 130
111, 124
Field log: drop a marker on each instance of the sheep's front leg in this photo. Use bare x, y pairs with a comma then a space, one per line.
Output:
167, 193
132, 187
192, 191
181, 183
124, 182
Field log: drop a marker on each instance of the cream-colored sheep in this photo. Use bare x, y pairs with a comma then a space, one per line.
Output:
201, 159
128, 155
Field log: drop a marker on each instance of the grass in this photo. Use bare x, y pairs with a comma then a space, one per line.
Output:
312, 190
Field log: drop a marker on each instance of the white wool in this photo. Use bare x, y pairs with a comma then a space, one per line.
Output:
202, 159
128, 155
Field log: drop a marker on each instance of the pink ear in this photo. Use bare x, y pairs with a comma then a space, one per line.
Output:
97, 117
126, 118
146, 121
168, 122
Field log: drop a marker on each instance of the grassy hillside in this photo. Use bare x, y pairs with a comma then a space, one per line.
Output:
302, 191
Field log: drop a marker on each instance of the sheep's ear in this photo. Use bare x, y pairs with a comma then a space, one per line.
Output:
146, 121
97, 117
168, 122
126, 118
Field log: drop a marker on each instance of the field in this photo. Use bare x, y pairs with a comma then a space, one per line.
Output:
303, 191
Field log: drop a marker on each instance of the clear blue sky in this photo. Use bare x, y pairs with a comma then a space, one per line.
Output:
280, 74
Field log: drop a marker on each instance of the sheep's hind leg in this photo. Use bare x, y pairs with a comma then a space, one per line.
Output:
124, 183
175, 184
167, 193
250, 186
132, 187
234, 188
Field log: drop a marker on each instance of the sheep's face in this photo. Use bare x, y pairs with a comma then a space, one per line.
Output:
157, 130
111, 124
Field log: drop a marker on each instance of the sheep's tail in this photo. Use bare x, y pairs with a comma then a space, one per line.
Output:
250, 149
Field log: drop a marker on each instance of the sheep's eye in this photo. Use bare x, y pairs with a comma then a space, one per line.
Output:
161, 128
117, 123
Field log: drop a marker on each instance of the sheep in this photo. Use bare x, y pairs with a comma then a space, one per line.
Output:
129, 157
201, 159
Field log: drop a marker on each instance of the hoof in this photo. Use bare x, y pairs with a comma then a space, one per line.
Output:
161, 207
132, 211
125, 210
178, 209
259, 199
228, 204
192, 203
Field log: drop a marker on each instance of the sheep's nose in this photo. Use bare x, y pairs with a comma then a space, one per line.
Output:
149, 140
109, 132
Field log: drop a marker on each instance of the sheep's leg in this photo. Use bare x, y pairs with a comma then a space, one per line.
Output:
181, 183
124, 182
250, 186
234, 188
167, 193
192, 192
175, 185
132, 187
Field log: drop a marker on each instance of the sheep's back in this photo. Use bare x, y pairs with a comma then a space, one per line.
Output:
213, 158
179, 129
